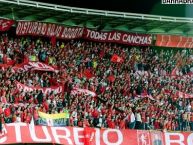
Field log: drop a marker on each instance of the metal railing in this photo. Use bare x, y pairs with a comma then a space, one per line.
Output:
96, 12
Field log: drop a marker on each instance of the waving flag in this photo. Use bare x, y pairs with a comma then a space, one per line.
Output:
6, 24
82, 91
59, 119
174, 72
88, 74
117, 59
111, 78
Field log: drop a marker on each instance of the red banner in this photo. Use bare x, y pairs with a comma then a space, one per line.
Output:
30, 66
4, 66
83, 91
24, 133
174, 41
117, 59
61, 32
118, 37
45, 90
47, 29
34, 66
145, 96
6, 24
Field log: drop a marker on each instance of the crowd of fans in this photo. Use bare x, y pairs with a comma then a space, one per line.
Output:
138, 93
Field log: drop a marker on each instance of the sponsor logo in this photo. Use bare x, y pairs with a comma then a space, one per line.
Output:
143, 137
177, 1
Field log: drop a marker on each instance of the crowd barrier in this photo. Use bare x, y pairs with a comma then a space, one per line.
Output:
26, 133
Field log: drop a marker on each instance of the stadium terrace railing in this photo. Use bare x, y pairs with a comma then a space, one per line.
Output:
97, 12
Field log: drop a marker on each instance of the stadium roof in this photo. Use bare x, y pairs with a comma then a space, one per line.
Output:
95, 19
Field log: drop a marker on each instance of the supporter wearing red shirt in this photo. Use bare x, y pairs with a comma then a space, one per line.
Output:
95, 113
111, 123
86, 123
157, 124
28, 118
122, 124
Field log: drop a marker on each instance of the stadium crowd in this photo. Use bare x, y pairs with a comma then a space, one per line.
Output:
136, 87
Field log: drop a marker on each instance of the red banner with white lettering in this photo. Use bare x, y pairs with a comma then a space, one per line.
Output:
49, 30
30, 66
82, 91
34, 66
118, 37
45, 90
61, 32
24, 133
174, 41
6, 24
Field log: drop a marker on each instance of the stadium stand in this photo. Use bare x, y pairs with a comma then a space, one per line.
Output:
91, 82
125, 91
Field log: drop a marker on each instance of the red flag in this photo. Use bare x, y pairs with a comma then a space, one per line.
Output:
89, 134
111, 78
6, 24
115, 58
10, 62
87, 73
174, 71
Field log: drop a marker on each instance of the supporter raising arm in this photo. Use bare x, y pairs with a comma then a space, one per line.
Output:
131, 91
